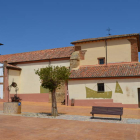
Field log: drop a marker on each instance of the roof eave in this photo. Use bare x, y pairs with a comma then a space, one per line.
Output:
107, 38
103, 77
39, 60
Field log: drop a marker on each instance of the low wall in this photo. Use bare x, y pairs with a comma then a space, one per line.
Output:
43, 97
101, 102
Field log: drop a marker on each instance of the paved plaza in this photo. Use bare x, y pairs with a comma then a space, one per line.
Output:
74, 123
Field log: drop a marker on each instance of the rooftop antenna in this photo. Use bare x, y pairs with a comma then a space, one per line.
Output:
108, 29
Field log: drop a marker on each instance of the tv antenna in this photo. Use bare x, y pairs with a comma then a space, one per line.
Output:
108, 29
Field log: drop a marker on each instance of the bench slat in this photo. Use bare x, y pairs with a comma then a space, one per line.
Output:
107, 110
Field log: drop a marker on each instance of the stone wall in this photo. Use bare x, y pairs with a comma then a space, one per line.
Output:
74, 60
60, 94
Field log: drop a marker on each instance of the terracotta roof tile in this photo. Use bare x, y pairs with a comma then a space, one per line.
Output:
111, 70
38, 55
102, 38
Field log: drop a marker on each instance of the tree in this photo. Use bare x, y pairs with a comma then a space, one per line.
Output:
51, 78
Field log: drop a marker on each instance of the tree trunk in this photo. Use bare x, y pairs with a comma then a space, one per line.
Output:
54, 104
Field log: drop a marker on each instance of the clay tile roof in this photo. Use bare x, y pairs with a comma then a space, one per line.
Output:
112, 70
103, 38
38, 55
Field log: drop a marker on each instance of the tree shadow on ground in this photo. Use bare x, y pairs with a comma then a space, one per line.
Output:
105, 118
49, 114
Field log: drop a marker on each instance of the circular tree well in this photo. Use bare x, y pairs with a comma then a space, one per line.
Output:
12, 107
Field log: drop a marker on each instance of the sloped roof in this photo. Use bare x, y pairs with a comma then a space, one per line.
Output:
103, 38
13, 67
38, 55
104, 71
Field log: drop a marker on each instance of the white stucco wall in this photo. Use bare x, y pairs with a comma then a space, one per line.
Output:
129, 87
14, 76
117, 51
29, 82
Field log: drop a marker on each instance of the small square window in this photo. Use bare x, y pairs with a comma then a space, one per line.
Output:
100, 87
101, 61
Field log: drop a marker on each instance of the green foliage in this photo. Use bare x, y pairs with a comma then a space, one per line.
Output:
52, 76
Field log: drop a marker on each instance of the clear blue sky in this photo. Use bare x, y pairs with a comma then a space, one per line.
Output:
30, 25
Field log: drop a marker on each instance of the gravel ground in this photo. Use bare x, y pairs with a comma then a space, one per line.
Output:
77, 118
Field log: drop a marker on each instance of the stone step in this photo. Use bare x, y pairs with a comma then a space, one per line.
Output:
106, 104
102, 100
89, 102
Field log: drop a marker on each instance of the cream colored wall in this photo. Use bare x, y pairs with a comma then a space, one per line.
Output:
117, 51
29, 81
129, 86
14, 76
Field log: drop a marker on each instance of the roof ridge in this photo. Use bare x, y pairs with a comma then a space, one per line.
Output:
104, 37
35, 51
63, 52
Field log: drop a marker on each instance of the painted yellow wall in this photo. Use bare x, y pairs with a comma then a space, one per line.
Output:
117, 51
129, 87
29, 81
14, 76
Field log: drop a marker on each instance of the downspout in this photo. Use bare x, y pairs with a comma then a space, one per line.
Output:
106, 50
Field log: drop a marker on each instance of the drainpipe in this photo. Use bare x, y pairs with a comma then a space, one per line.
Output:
106, 50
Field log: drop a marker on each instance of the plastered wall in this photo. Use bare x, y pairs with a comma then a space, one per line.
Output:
29, 82
117, 51
129, 87
14, 76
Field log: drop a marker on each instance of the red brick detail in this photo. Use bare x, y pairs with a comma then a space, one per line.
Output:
35, 97
2, 100
77, 48
66, 94
130, 105
5, 85
134, 50
82, 54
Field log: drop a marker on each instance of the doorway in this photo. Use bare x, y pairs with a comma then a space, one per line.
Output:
139, 97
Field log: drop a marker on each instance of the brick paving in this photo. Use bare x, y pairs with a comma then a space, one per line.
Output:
75, 128
30, 128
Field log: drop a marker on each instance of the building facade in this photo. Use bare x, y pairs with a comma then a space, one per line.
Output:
104, 72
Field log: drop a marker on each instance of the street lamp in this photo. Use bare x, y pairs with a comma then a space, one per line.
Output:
1, 44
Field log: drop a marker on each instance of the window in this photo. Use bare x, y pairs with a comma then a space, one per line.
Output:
101, 60
100, 87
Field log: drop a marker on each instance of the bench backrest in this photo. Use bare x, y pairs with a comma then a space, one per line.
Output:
107, 110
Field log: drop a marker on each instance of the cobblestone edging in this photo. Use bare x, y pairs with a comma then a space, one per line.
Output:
77, 118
